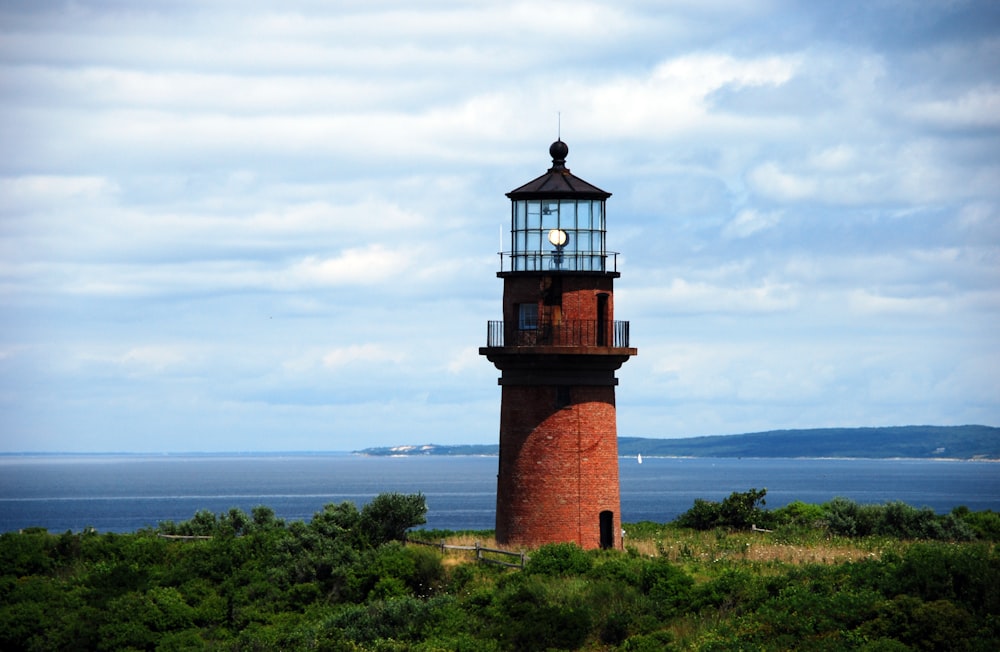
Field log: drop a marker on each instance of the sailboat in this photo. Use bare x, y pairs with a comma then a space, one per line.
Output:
639, 458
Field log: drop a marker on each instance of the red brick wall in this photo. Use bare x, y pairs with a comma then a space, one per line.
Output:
575, 295
558, 466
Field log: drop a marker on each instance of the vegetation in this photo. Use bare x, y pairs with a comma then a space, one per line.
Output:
837, 576
917, 442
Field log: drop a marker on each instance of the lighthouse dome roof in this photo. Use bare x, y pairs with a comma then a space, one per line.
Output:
558, 182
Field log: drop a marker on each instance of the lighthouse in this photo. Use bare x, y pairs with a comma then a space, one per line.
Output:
557, 348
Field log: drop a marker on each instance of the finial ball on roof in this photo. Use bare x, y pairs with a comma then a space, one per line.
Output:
558, 150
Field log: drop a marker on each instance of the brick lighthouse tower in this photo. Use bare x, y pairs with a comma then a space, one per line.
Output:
558, 348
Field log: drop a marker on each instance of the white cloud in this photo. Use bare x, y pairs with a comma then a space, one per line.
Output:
360, 354
254, 214
365, 266
837, 157
684, 296
48, 189
866, 302
773, 182
978, 107
672, 98
464, 359
748, 221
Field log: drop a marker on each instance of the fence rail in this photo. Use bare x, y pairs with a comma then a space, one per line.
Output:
568, 332
480, 551
559, 261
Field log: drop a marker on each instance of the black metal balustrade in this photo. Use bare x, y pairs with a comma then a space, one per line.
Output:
568, 332
565, 261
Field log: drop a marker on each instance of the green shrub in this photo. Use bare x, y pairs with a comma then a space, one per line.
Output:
798, 513
402, 618
337, 521
653, 642
847, 518
624, 570
531, 616
428, 571
667, 586
559, 559
894, 519
737, 512
735, 591
969, 575
389, 515
985, 524
935, 625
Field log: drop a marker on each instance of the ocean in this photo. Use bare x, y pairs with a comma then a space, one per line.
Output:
124, 493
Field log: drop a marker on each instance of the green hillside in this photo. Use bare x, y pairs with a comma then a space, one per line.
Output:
920, 442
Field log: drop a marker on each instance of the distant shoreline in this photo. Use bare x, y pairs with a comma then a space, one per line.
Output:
946, 443
223, 454
970, 442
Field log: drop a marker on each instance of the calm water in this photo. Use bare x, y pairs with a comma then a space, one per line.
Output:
125, 493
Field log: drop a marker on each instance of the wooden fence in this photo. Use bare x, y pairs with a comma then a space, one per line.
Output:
483, 554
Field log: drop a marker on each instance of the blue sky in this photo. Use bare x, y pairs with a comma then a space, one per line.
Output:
273, 226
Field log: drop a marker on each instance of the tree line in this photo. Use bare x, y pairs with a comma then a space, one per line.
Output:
345, 581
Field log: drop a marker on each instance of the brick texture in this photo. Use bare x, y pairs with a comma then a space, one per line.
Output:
558, 470
558, 466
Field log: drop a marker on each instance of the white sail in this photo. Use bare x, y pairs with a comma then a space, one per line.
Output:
639, 458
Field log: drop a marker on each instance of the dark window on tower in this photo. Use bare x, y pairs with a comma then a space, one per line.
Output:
527, 316
562, 397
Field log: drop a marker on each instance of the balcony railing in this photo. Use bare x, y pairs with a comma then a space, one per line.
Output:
555, 261
565, 333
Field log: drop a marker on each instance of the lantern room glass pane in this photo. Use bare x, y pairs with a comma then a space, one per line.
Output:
582, 220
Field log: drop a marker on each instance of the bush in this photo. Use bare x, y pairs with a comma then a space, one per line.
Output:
969, 575
559, 559
985, 524
418, 571
847, 518
894, 519
401, 618
532, 616
800, 514
937, 625
668, 587
654, 642
337, 521
623, 570
389, 515
735, 591
737, 512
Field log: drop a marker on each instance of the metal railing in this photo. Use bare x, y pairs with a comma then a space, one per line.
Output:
579, 332
555, 261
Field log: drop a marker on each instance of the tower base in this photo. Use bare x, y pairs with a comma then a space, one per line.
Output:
558, 471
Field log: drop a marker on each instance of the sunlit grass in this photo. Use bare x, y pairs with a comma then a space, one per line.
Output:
706, 549
692, 546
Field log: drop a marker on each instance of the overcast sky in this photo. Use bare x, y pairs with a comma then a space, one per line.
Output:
241, 225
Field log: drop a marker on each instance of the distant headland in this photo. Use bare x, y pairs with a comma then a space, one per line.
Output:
969, 442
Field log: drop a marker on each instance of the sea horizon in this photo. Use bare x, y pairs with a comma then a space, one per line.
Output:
127, 492
161, 454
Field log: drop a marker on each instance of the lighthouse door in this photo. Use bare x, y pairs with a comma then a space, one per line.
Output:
607, 529
602, 319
